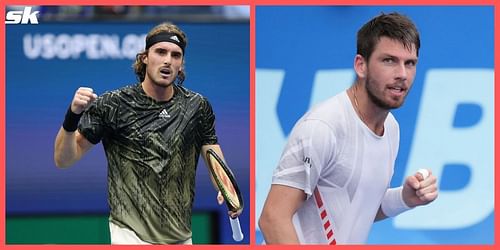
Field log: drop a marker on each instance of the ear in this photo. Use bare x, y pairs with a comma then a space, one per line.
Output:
144, 59
360, 65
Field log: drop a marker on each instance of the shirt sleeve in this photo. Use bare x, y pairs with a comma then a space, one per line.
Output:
207, 124
310, 149
96, 119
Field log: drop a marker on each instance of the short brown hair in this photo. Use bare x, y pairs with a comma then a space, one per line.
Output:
394, 26
140, 67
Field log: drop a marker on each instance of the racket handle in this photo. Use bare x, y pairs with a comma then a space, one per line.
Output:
235, 226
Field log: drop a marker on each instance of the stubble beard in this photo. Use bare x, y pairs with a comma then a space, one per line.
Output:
379, 102
160, 84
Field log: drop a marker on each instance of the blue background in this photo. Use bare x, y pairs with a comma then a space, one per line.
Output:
299, 41
39, 92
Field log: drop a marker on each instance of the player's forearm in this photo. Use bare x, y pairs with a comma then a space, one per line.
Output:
204, 150
214, 184
65, 149
278, 229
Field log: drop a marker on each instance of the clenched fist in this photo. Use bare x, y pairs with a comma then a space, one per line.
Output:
83, 98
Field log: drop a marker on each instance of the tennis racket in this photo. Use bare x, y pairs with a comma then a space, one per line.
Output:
226, 183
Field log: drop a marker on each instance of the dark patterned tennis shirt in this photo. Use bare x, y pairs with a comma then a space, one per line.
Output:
152, 150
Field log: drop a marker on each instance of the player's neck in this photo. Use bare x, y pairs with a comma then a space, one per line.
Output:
369, 113
157, 92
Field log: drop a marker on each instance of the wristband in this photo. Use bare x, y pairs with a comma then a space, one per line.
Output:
71, 120
393, 203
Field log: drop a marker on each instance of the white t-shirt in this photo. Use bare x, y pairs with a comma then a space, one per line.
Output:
342, 166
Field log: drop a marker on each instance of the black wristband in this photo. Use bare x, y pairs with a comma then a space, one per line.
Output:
71, 120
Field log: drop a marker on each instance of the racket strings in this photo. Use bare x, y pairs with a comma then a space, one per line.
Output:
223, 180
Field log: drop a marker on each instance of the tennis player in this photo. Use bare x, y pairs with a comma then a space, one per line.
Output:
332, 181
153, 133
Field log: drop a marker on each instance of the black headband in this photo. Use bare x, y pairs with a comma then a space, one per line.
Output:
166, 37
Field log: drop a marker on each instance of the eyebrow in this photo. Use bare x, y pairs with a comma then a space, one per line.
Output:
172, 52
384, 55
165, 49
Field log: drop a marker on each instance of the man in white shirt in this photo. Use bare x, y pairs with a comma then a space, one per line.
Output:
333, 178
